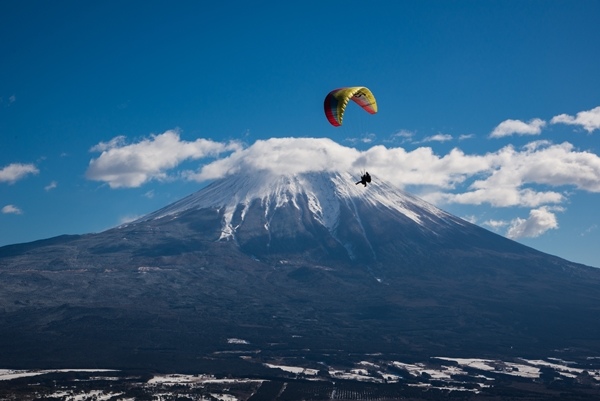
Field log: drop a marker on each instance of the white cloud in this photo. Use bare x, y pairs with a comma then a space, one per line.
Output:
516, 178
465, 136
51, 186
507, 177
511, 127
11, 209
589, 120
296, 155
16, 171
124, 165
422, 167
495, 224
539, 221
559, 165
539, 144
283, 156
502, 197
438, 138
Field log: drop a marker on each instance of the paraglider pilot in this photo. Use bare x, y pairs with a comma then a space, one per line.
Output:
364, 179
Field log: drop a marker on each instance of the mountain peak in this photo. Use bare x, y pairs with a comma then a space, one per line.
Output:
323, 212
321, 193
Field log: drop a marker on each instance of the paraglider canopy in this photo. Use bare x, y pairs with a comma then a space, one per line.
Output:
337, 100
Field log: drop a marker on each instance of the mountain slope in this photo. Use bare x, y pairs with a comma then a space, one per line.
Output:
288, 263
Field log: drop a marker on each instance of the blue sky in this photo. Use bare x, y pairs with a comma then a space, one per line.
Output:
490, 109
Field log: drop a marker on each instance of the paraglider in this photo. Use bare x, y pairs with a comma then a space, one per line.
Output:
337, 100
335, 105
364, 179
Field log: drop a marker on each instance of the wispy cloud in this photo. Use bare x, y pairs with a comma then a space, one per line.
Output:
365, 138
470, 218
518, 127
9, 101
51, 186
402, 136
116, 142
495, 224
438, 138
589, 230
11, 209
17, 171
589, 120
123, 165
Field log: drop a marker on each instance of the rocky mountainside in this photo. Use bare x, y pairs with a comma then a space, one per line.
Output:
307, 265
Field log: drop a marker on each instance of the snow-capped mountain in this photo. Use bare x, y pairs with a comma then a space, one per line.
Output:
323, 191
308, 264
323, 195
325, 215
302, 207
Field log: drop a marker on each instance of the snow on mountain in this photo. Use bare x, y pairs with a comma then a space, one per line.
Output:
324, 194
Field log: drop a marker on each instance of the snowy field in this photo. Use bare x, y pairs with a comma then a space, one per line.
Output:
10, 374
444, 374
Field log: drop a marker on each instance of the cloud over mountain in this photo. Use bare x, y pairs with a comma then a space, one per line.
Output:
507, 177
535, 176
283, 156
